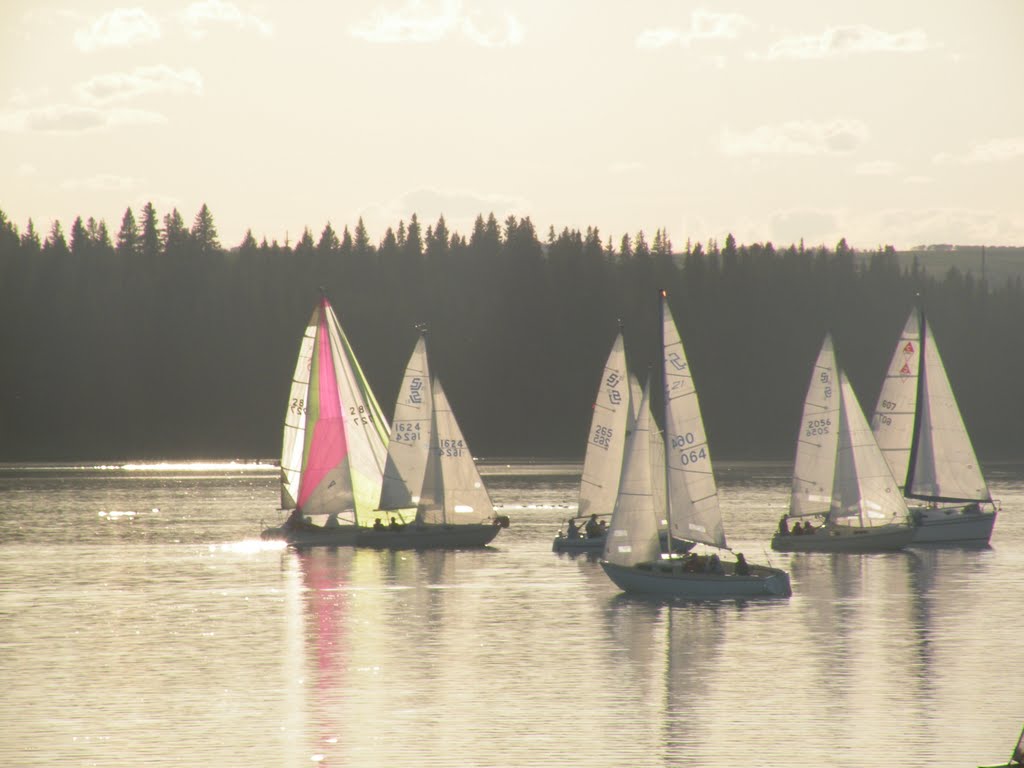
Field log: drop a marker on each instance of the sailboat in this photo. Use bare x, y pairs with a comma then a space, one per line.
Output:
335, 440
430, 473
602, 464
1017, 758
634, 558
840, 474
921, 433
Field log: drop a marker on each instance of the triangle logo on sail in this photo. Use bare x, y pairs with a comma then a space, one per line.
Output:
909, 348
905, 370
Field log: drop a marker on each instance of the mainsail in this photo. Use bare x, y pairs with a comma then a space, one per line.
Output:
613, 417
864, 492
411, 433
693, 505
633, 534
335, 436
918, 424
452, 485
814, 467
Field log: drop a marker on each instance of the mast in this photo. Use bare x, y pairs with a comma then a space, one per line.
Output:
664, 432
921, 394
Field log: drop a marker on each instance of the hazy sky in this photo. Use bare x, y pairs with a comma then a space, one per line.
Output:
885, 122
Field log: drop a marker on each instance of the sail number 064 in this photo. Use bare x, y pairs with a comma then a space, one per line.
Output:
688, 455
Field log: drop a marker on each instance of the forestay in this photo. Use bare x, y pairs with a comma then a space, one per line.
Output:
814, 467
693, 505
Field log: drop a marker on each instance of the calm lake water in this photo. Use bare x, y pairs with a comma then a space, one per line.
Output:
143, 624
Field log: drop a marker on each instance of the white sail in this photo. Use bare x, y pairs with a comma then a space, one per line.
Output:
295, 417
943, 464
452, 485
411, 432
606, 442
864, 492
816, 445
636, 394
633, 534
694, 512
896, 409
657, 453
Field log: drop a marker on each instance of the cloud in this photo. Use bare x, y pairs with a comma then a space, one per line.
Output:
704, 25
796, 138
906, 227
848, 41
143, 81
625, 166
810, 225
71, 119
101, 182
200, 17
876, 168
991, 151
121, 28
422, 22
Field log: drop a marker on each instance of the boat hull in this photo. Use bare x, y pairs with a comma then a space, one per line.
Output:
884, 538
952, 526
582, 544
668, 579
462, 536
313, 535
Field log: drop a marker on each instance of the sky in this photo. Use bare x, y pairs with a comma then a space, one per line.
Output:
887, 123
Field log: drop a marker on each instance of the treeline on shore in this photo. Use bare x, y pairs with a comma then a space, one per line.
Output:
158, 342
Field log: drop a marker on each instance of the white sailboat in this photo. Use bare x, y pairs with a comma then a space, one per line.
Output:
921, 433
335, 440
614, 415
839, 474
430, 473
634, 558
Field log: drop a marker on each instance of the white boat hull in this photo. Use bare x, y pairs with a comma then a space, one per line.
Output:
313, 535
462, 536
883, 538
668, 579
955, 526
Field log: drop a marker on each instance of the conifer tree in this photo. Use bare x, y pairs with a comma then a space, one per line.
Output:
328, 240
79, 237
204, 232
361, 241
129, 241
413, 240
150, 232
30, 239
55, 242
174, 235
305, 245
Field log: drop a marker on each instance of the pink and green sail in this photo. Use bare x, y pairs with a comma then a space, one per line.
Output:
324, 487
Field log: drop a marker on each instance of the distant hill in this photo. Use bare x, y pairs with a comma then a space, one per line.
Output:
997, 263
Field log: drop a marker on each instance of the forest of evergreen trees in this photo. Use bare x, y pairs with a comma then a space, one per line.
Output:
159, 342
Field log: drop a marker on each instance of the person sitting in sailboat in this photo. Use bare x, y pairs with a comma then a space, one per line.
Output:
593, 529
394, 525
572, 531
784, 525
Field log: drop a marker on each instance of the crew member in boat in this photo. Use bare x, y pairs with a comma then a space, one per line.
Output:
378, 525
295, 520
332, 521
572, 531
784, 525
808, 528
593, 529
394, 525
742, 566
